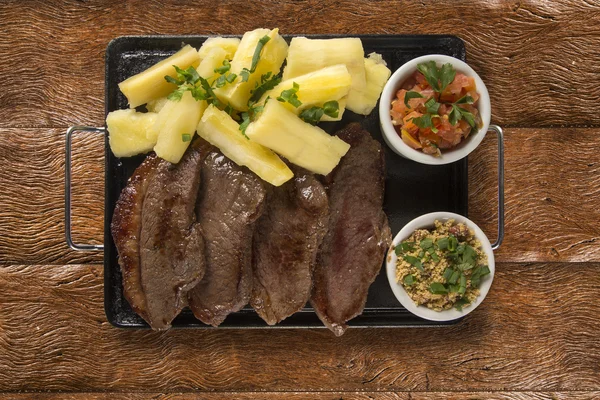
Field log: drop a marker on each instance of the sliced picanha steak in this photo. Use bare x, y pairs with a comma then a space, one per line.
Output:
161, 250
230, 201
358, 235
126, 227
286, 242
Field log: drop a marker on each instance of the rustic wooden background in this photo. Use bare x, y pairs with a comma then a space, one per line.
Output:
535, 337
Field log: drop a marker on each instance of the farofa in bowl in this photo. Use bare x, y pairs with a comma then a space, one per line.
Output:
441, 268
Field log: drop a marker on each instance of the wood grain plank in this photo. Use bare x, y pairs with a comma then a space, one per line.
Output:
32, 196
546, 52
312, 396
552, 186
536, 331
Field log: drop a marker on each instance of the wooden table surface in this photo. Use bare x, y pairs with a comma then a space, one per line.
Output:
535, 337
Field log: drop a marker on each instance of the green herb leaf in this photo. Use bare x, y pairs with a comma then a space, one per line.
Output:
409, 280
442, 243
331, 108
245, 74
424, 121
462, 284
415, 262
244, 124
398, 250
485, 270
464, 266
186, 137
460, 303
433, 255
312, 115
447, 75
454, 277
267, 82
170, 79
290, 95
211, 98
469, 255
426, 243
432, 106
437, 288
177, 94
226, 67
466, 99
407, 246
477, 274
189, 75
230, 77
220, 81
256, 57
448, 273
454, 115
452, 243
411, 95
229, 110
470, 118
431, 73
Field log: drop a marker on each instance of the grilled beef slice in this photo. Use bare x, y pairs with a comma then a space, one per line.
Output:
230, 201
358, 236
286, 242
161, 250
126, 227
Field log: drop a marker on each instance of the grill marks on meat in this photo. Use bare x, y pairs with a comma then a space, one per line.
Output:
354, 247
286, 242
230, 201
160, 245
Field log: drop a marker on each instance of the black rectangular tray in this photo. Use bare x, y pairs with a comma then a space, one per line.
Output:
408, 191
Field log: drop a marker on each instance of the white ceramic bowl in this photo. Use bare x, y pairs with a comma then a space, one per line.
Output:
449, 155
427, 221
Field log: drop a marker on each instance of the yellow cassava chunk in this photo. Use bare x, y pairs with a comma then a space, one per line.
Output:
377, 73
229, 45
150, 84
308, 55
213, 59
156, 105
315, 88
272, 56
218, 128
301, 143
130, 132
176, 119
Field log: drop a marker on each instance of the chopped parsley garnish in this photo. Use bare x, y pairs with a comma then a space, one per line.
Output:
462, 270
411, 95
437, 288
199, 87
439, 79
245, 74
314, 114
409, 280
415, 262
186, 137
291, 96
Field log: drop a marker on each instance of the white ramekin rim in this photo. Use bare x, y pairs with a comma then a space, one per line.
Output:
395, 142
427, 221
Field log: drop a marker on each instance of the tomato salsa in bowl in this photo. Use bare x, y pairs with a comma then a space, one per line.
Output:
435, 110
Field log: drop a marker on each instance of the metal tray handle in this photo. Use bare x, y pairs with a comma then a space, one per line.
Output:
74, 246
92, 247
500, 136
